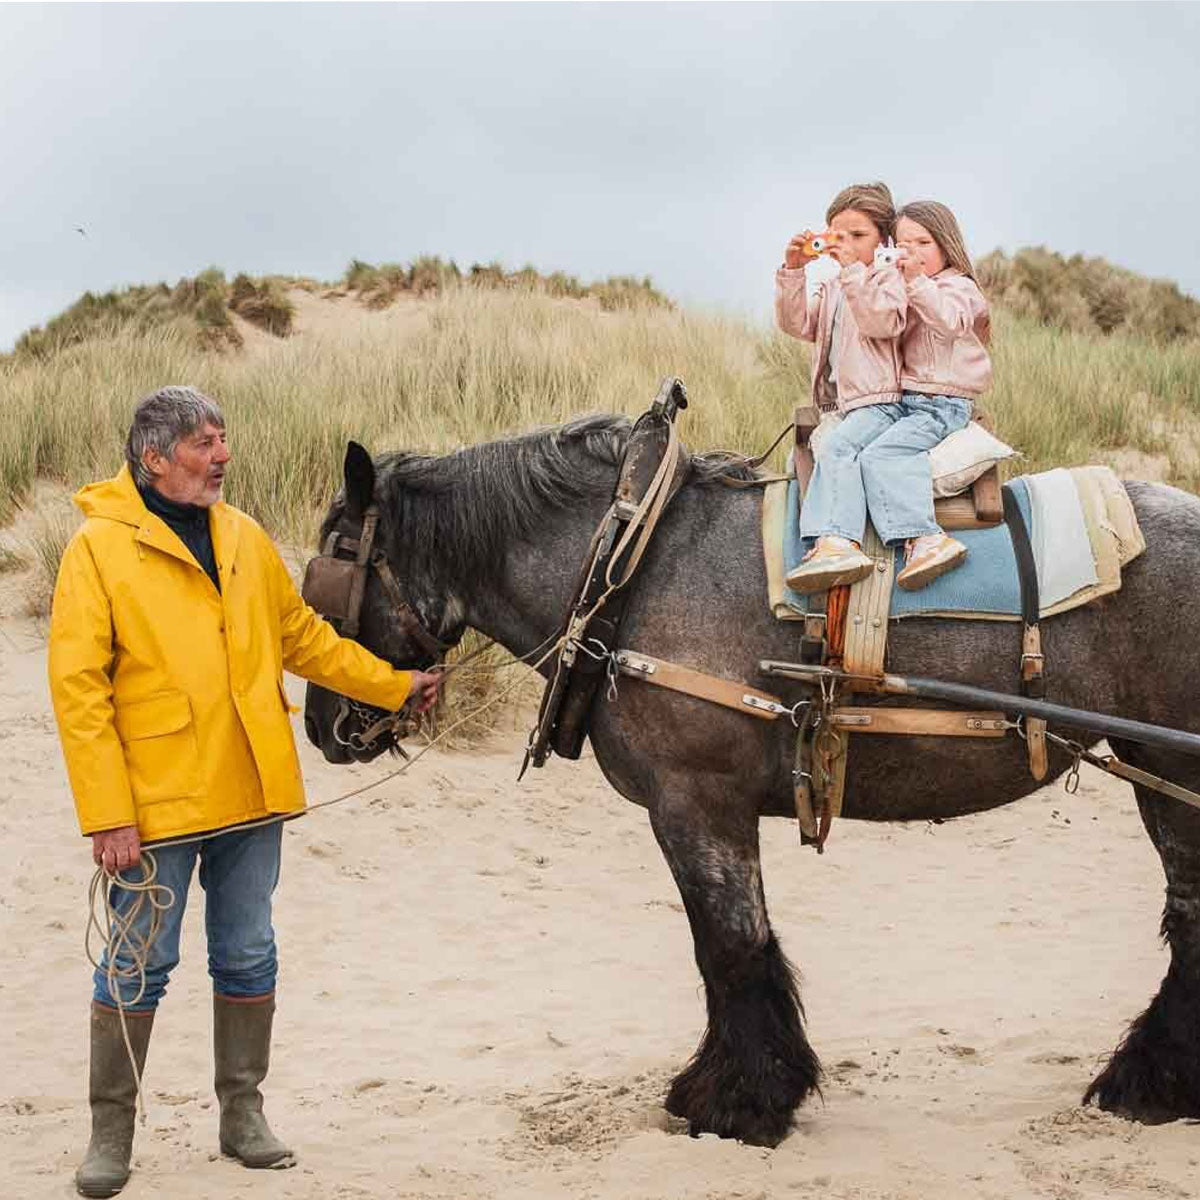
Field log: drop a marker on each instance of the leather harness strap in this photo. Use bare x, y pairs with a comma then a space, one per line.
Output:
869, 606
750, 464
653, 468
408, 619
726, 692
884, 718
837, 607
1032, 681
1114, 766
358, 581
335, 586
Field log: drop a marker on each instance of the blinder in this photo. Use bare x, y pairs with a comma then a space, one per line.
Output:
334, 585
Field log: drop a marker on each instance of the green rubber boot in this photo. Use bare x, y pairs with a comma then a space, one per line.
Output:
112, 1094
242, 1046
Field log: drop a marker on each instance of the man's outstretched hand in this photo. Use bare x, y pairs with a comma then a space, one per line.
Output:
425, 686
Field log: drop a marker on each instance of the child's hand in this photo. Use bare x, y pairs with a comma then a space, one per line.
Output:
796, 254
911, 264
844, 253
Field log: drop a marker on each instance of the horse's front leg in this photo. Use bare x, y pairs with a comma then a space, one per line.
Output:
754, 1065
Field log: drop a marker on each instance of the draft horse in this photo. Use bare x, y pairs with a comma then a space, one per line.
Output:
493, 536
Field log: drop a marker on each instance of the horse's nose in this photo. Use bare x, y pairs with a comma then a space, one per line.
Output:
312, 729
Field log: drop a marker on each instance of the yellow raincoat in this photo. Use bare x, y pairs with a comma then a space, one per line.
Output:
169, 695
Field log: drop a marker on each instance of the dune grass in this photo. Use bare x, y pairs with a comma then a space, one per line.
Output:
1088, 295
480, 362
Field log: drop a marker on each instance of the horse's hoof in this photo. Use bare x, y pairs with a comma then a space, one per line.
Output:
709, 1110
1128, 1094
1148, 1079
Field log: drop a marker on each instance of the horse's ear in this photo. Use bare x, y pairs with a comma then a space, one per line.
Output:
360, 479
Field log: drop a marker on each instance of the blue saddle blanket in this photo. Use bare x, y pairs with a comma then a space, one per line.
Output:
987, 583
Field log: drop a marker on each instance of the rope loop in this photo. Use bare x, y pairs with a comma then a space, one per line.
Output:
122, 939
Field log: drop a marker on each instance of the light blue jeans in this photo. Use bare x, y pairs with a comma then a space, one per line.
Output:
238, 872
876, 461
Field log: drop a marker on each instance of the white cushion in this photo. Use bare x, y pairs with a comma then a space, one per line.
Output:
960, 459
956, 461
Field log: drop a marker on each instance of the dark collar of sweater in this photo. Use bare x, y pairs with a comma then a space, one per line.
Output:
190, 523
189, 516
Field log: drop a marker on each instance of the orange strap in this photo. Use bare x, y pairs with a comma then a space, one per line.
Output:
836, 607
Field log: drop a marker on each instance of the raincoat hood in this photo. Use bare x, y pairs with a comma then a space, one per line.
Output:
115, 499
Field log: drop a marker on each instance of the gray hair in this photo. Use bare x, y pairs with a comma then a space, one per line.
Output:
161, 420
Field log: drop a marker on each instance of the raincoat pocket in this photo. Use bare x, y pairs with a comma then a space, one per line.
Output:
161, 752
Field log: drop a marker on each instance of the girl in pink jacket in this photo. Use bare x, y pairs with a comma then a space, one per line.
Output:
876, 460
942, 349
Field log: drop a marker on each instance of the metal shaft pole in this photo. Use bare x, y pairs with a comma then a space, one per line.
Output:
958, 693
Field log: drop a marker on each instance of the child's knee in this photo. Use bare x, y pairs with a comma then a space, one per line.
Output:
840, 446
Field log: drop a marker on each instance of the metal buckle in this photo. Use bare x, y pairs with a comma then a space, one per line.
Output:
638, 665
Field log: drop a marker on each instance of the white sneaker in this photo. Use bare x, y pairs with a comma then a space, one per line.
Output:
927, 558
832, 562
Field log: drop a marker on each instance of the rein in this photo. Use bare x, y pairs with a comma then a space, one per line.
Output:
751, 464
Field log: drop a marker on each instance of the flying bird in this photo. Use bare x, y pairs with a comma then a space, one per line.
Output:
81, 231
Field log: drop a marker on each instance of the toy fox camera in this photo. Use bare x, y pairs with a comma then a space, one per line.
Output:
820, 243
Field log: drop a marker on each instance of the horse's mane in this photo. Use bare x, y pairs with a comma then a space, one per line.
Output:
461, 508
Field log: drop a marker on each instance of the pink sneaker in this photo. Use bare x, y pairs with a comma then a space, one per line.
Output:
927, 558
833, 561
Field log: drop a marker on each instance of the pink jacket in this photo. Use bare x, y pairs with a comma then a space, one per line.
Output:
942, 343
868, 360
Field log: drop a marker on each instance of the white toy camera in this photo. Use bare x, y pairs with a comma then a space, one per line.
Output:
888, 256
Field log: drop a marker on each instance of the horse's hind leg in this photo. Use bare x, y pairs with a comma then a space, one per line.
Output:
753, 1066
1154, 1074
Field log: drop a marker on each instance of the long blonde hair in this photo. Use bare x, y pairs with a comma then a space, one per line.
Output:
873, 200
942, 226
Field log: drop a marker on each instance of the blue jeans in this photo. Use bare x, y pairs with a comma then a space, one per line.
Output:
238, 871
876, 461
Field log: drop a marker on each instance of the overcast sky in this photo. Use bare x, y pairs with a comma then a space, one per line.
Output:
684, 141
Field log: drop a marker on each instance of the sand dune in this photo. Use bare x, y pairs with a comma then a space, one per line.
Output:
486, 987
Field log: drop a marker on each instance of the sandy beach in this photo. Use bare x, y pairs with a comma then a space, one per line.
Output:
485, 988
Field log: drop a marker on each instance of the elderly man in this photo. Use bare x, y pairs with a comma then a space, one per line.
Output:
173, 622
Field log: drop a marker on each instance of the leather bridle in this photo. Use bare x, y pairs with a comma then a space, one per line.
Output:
335, 583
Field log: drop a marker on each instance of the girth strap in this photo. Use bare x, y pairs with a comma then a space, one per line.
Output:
1032, 675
